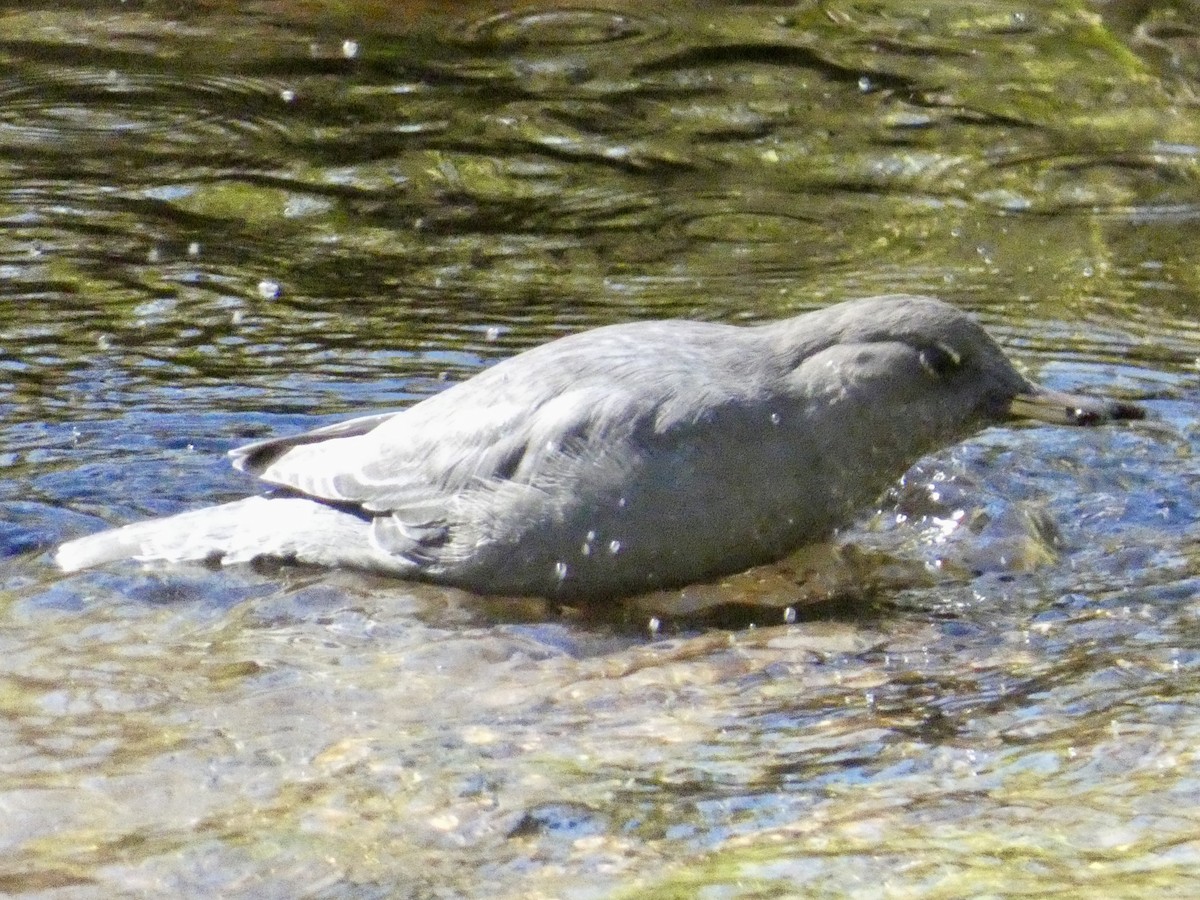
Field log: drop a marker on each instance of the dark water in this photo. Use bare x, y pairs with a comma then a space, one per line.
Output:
221, 221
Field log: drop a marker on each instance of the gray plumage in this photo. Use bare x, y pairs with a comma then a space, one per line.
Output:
622, 459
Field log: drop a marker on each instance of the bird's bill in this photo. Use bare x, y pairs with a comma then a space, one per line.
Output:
1060, 408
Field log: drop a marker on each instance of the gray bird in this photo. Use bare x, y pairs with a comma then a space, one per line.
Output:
622, 459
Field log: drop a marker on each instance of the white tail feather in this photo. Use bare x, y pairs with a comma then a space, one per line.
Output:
283, 527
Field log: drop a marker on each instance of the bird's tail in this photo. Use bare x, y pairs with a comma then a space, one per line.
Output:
292, 528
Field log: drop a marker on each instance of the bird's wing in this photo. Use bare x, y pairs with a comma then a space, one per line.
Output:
411, 473
553, 422
381, 461
254, 458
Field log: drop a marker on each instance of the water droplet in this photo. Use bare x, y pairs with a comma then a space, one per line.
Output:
789, 615
775, 418
654, 625
614, 547
269, 290
349, 49
560, 570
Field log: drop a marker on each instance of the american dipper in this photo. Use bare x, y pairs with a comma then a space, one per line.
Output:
622, 459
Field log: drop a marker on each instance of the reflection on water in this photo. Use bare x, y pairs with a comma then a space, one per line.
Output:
235, 220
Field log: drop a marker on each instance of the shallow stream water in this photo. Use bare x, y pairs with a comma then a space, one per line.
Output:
222, 221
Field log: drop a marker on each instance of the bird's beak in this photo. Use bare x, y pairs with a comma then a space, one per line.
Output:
1060, 408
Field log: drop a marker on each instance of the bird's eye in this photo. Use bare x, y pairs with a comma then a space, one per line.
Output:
940, 360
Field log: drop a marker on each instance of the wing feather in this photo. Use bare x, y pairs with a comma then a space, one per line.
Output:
532, 426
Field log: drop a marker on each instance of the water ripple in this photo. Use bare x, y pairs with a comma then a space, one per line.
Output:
562, 28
